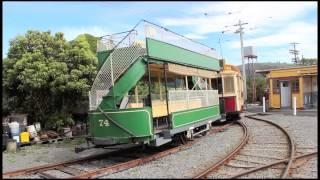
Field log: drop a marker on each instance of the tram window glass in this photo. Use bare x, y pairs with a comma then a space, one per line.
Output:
228, 85
295, 85
276, 86
180, 82
217, 84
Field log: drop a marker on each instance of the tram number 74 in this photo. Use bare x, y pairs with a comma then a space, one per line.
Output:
104, 122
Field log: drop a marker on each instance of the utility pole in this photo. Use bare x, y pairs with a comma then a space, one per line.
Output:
294, 52
220, 48
240, 30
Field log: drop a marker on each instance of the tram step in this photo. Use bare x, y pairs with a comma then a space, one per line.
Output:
160, 141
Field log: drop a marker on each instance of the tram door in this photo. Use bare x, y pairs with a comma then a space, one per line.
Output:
285, 94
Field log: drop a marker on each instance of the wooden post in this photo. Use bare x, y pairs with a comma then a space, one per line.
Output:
270, 93
207, 94
186, 77
311, 92
159, 81
166, 89
294, 106
301, 91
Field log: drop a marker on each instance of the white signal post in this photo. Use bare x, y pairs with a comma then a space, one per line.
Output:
294, 106
264, 104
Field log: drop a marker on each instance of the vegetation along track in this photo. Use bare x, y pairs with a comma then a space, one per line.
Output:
93, 166
268, 148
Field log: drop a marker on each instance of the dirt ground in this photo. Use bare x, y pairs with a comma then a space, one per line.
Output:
41, 154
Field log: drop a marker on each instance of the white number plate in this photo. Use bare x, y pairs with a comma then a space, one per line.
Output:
103, 122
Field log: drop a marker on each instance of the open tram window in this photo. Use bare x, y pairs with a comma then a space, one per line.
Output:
217, 84
138, 96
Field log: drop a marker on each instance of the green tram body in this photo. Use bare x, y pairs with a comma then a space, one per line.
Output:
136, 125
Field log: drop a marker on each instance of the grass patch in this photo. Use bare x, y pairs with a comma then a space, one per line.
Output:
70, 143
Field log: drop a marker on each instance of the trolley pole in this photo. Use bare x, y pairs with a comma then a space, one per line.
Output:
240, 30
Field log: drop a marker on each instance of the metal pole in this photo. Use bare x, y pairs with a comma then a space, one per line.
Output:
112, 81
149, 102
294, 106
243, 66
264, 104
220, 48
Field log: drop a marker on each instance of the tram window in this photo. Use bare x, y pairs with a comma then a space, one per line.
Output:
217, 84
180, 83
190, 82
228, 85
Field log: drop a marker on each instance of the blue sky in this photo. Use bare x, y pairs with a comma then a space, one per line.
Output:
272, 26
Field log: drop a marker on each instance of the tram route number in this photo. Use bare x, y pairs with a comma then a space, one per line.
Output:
104, 122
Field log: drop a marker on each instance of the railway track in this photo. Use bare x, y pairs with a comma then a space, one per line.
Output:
266, 151
93, 166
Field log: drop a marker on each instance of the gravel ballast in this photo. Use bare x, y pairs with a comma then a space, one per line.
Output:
206, 151
186, 163
304, 131
41, 154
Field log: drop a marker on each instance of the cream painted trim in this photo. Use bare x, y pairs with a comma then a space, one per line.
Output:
184, 70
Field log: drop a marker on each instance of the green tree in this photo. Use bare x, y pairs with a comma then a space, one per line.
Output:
92, 41
308, 61
260, 86
47, 77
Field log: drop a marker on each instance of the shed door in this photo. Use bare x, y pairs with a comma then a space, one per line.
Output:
285, 94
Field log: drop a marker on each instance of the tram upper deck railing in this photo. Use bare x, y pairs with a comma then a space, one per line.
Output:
127, 46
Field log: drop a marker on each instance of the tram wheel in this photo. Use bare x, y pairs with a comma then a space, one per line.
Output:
183, 139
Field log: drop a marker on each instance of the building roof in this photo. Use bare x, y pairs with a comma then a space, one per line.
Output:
268, 70
290, 72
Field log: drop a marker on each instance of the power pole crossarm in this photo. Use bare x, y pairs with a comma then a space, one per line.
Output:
294, 52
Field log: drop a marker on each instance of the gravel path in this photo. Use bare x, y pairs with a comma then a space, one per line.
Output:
41, 154
186, 163
266, 144
304, 131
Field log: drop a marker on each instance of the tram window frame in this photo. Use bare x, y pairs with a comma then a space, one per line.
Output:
228, 84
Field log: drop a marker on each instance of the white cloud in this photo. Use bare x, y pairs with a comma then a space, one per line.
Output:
301, 32
194, 36
72, 32
270, 35
255, 13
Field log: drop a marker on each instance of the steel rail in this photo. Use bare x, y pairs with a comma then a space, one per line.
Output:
274, 163
114, 168
55, 165
130, 164
292, 149
244, 140
139, 161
